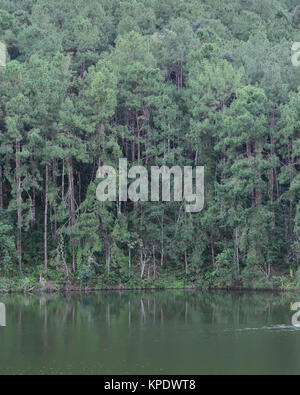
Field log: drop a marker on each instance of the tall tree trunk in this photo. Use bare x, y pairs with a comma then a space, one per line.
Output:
46, 218
63, 179
107, 251
33, 204
258, 191
186, 262
249, 156
236, 250
291, 217
291, 200
72, 208
79, 187
132, 128
162, 256
54, 180
133, 151
139, 146
277, 186
154, 263
179, 75
212, 247
272, 126
138, 136
129, 257
272, 174
19, 204
1, 188
271, 184
258, 194
142, 262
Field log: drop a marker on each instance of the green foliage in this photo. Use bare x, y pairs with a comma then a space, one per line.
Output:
86, 274
5, 285
7, 246
161, 83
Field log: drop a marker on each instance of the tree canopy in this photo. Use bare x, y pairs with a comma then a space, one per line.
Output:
187, 83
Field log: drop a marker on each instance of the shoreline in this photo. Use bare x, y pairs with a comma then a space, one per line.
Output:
75, 289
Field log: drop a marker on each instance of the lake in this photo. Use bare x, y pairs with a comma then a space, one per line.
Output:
151, 332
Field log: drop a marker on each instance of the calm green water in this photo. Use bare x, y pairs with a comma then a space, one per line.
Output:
167, 332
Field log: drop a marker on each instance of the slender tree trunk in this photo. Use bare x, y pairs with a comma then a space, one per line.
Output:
133, 151
79, 187
1, 188
277, 186
129, 258
19, 204
72, 207
258, 192
249, 156
272, 125
54, 180
46, 218
212, 247
154, 264
132, 128
237, 258
291, 200
107, 252
271, 183
106, 245
138, 136
63, 180
33, 205
162, 256
272, 177
179, 75
186, 262
139, 145
291, 217
142, 263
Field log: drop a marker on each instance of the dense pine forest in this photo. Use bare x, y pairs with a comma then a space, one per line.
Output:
159, 82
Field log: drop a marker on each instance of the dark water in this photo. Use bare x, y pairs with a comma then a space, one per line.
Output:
167, 332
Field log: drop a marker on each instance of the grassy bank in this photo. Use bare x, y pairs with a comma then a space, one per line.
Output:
48, 284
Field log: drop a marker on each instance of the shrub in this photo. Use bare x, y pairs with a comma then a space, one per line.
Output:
25, 284
86, 274
5, 285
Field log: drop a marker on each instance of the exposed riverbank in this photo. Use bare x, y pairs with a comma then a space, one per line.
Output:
28, 285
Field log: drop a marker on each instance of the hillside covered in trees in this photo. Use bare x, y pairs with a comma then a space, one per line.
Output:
172, 82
